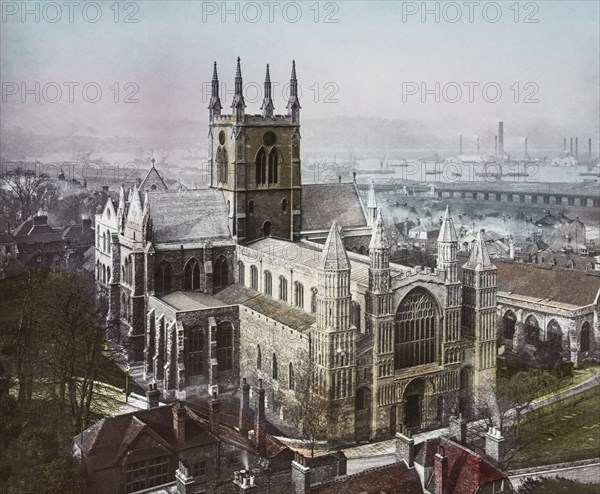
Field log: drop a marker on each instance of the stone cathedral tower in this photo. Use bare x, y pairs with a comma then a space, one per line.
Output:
479, 312
379, 312
255, 160
334, 341
447, 260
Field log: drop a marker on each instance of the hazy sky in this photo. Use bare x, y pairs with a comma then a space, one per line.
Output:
361, 65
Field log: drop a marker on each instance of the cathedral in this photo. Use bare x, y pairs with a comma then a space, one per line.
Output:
258, 276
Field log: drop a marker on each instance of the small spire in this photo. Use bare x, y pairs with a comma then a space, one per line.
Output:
334, 254
479, 258
293, 105
378, 238
215, 102
267, 104
372, 200
293, 70
238, 102
447, 230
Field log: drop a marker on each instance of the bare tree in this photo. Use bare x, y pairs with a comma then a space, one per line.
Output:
305, 409
22, 192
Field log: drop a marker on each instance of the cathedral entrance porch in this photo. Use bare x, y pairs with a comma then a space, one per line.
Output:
416, 398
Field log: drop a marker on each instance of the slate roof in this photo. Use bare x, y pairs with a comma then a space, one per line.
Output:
390, 479
36, 230
117, 439
270, 307
189, 217
466, 469
566, 286
324, 203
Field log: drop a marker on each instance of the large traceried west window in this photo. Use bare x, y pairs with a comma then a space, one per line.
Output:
415, 330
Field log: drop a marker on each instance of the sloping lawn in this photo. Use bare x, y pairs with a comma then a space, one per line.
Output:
567, 430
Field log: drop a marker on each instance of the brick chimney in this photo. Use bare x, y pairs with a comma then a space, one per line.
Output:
440, 470
215, 413
405, 446
259, 418
244, 408
300, 475
184, 479
179, 421
152, 396
494, 444
458, 429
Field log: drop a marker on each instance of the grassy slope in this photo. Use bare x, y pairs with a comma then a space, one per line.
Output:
568, 430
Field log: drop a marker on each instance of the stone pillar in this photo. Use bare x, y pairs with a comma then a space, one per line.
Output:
458, 429
300, 475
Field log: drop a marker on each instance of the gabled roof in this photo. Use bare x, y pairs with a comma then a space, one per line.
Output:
153, 178
556, 284
447, 230
390, 479
467, 470
324, 203
334, 253
189, 217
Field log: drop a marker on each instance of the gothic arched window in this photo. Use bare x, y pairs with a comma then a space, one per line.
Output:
253, 277
261, 167
586, 338
191, 275
225, 346
221, 165
268, 283
509, 321
415, 330
298, 294
221, 272
162, 277
258, 357
195, 352
283, 289
273, 165
532, 330
554, 334
104, 242
284, 205
250, 207
241, 273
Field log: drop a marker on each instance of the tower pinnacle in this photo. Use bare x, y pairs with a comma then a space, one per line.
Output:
214, 105
267, 105
479, 258
334, 254
293, 105
238, 104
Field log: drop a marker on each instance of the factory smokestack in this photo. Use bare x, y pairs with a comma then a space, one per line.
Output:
526, 153
501, 140
571, 147
478, 145
460, 145
590, 148
576, 148
496, 147
565, 145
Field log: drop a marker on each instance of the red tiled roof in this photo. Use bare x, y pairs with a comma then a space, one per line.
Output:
391, 479
557, 284
466, 469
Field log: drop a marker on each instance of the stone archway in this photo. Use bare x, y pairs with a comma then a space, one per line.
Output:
416, 413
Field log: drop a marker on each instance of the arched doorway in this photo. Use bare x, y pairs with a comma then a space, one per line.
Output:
414, 400
266, 229
362, 414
